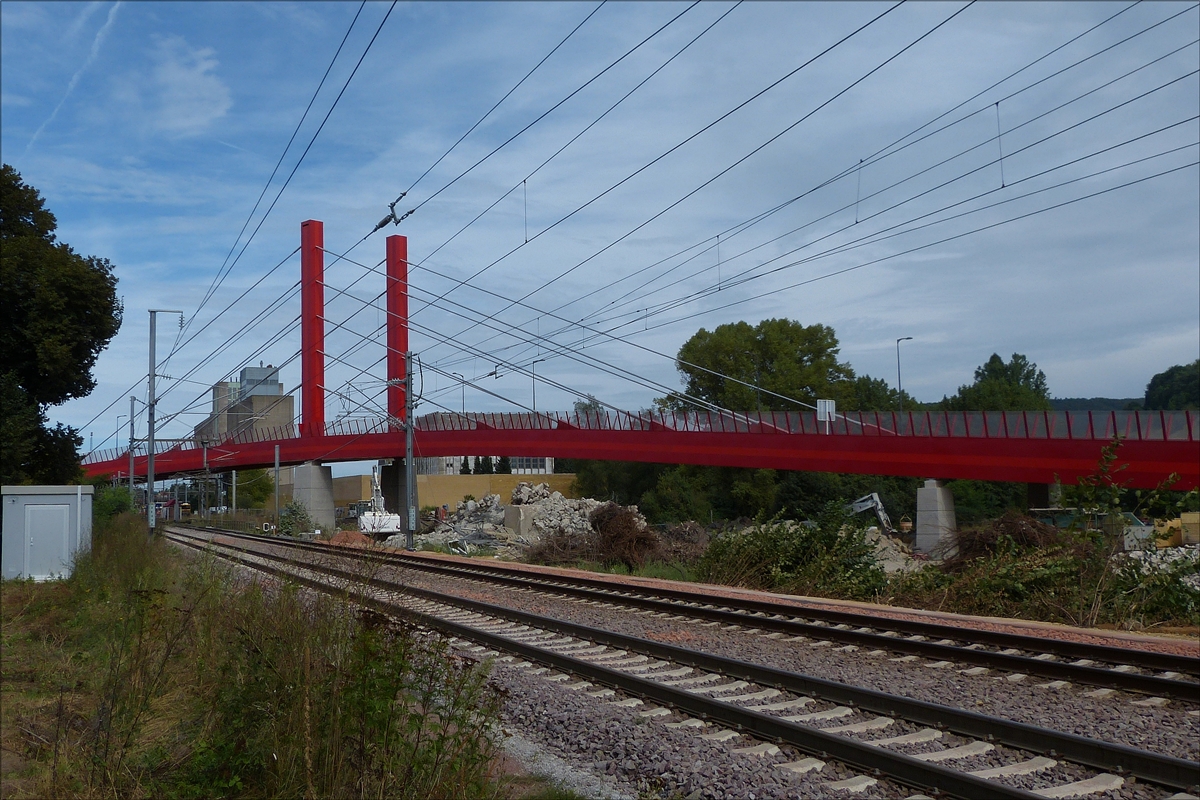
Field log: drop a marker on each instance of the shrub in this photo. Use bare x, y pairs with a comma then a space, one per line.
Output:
108, 501
294, 519
621, 537
830, 558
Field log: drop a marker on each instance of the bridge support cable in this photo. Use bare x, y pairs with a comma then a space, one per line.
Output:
871, 238
394, 321
754, 273
727, 169
754, 220
565, 351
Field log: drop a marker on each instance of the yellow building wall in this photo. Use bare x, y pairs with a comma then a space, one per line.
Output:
351, 489
438, 490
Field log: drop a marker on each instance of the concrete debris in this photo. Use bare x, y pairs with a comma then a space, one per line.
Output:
527, 493
1183, 562
893, 555
487, 525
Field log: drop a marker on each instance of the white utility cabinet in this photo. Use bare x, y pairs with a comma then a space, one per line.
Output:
43, 528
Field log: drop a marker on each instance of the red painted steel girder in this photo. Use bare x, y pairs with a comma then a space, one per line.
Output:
1147, 463
397, 322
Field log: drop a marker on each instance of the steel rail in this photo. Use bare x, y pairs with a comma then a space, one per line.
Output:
1155, 768
744, 611
626, 592
870, 758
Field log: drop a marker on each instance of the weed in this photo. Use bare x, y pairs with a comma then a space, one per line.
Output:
830, 558
152, 677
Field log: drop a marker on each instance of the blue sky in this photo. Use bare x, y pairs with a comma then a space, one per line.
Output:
151, 130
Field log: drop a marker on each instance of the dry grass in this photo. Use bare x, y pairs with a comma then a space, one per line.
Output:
147, 676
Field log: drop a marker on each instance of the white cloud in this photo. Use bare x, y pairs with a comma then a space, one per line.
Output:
190, 97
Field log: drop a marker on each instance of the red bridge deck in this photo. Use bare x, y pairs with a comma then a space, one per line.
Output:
1032, 447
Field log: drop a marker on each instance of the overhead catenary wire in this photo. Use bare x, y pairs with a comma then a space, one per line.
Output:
546, 113
506, 95
642, 295
578, 135
741, 160
891, 149
221, 271
638, 289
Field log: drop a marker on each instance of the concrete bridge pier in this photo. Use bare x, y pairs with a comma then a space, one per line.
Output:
314, 488
936, 525
391, 483
1043, 495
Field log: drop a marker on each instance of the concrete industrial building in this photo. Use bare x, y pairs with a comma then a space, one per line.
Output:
254, 402
452, 465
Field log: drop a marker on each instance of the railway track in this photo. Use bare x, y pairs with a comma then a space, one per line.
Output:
1104, 666
795, 723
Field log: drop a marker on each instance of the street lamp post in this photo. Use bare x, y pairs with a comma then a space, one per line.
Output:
462, 381
117, 432
899, 385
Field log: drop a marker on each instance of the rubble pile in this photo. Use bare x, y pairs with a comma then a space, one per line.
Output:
557, 513
893, 555
480, 512
529, 493
480, 524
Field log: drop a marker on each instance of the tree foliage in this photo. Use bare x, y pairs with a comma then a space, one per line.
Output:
1016, 385
503, 465
61, 310
254, 486
1176, 388
779, 356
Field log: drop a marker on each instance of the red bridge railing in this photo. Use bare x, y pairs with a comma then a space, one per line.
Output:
1146, 426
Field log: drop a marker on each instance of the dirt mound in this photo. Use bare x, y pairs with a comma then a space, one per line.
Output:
351, 539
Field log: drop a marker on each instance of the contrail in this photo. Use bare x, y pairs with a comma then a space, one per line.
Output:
99, 40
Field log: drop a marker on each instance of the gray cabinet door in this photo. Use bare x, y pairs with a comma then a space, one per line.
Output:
47, 545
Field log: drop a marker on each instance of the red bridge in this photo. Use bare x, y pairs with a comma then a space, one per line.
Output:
1030, 447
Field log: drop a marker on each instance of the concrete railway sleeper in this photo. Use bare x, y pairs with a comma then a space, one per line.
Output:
709, 687
1021, 654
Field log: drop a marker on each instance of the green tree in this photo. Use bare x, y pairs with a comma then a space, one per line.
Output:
589, 406
504, 466
775, 357
1017, 385
874, 394
1176, 388
465, 469
254, 486
484, 465
61, 312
